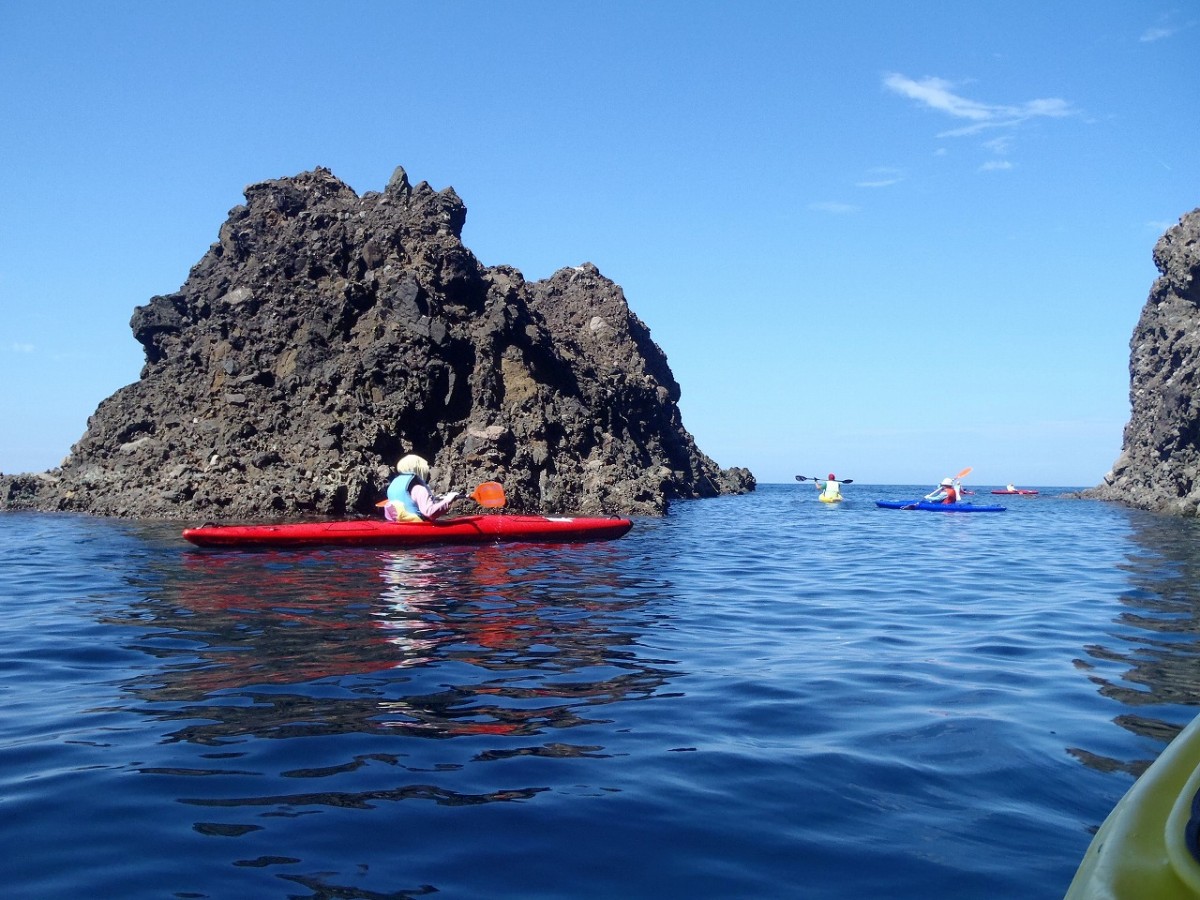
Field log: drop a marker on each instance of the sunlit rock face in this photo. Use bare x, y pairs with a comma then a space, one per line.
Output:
325, 334
1159, 465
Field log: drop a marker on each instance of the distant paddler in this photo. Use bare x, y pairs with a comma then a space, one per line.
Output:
829, 489
950, 490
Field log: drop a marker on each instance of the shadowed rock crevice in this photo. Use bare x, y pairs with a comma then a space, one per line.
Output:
325, 334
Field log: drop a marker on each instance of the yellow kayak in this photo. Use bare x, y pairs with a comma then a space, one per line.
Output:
825, 499
1148, 847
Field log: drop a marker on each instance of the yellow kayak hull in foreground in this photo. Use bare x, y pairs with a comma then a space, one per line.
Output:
825, 499
1147, 847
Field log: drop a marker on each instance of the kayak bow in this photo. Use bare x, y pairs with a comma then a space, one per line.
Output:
1147, 847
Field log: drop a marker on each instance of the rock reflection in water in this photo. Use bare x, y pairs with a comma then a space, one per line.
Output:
1157, 638
507, 640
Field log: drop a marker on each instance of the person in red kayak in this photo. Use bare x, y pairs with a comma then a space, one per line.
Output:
409, 498
946, 492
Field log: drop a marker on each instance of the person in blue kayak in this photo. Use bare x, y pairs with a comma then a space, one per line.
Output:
409, 498
946, 492
830, 489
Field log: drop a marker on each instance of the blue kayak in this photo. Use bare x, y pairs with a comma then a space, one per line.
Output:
936, 507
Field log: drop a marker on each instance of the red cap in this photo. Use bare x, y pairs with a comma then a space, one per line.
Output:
832, 477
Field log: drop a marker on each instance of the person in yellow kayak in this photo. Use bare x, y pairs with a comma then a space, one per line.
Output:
409, 498
831, 489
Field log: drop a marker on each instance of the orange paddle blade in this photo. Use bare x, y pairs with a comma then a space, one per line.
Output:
490, 494
382, 503
965, 472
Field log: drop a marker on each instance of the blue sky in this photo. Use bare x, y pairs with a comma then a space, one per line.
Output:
885, 240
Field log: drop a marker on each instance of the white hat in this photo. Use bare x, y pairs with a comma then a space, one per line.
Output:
947, 482
414, 464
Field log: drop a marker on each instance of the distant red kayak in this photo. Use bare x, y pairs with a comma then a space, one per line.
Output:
1018, 491
380, 533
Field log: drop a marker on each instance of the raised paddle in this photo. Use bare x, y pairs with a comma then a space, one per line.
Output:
814, 478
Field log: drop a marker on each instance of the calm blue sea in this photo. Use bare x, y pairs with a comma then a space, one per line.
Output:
757, 696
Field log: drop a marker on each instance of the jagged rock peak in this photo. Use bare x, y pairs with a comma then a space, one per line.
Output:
1159, 465
326, 334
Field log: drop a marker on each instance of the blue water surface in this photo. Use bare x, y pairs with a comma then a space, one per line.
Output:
758, 696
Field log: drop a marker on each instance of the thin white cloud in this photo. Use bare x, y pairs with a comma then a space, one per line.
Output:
1166, 28
939, 94
833, 206
1155, 34
881, 177
17, 347
1054, 107
942, 96
936, 93
1000, 145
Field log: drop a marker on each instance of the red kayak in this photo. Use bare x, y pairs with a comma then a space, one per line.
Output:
1017, 491
380, 533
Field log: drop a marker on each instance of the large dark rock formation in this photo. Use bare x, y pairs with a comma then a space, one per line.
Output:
1159, 465
326, 334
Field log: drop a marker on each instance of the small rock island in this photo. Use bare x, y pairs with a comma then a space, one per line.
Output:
324, 335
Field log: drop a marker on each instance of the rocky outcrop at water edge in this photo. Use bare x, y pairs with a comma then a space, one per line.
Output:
326, 334
1159, 465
